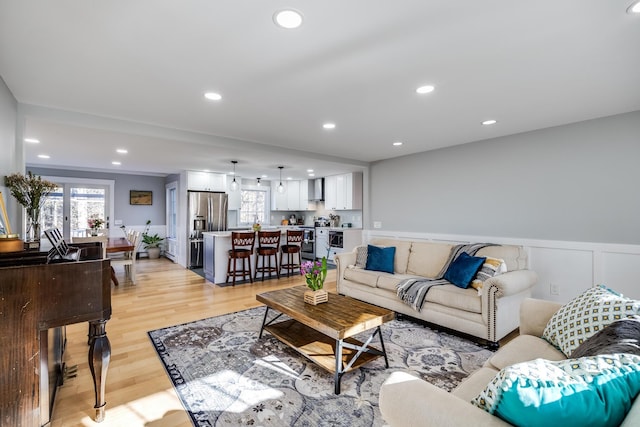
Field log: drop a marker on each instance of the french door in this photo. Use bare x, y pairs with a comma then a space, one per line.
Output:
70, 206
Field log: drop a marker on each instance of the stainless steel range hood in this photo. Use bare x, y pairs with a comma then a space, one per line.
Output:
316, 190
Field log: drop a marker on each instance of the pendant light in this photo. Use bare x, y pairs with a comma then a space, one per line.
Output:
281, 188
258, 184
234, 184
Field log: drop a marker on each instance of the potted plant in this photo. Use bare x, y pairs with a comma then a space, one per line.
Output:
315, 272
30, 191
95, 224
151, 243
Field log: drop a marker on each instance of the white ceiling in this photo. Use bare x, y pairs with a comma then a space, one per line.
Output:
97, 75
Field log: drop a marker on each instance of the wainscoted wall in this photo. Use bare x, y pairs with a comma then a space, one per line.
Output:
569, 267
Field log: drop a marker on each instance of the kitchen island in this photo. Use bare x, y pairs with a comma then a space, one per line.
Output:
216, 252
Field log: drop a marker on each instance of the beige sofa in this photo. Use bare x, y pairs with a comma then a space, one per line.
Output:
409, 401
490, 316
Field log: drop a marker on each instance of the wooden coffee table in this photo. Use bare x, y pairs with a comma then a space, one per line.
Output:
322, 333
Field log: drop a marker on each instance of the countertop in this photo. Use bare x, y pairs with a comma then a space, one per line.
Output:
276, 227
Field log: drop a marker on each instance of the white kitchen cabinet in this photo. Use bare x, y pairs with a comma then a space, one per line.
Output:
296, 198
330, 192
304, 195
293, 196
278, 200
343, 192
234, 197
206, 181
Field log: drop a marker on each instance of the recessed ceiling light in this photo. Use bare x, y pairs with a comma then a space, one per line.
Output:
425, 89
44, 156
329, 125
309, 170
489, 122
397, 143
116, 163
32, 140
312, 174
264, 176
121, 151
213, 96
288, 19
634, 8
289, 178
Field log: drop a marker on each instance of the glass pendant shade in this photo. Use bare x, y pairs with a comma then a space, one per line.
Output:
234, 184
281, 188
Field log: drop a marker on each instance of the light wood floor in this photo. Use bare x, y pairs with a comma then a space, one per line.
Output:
139, 392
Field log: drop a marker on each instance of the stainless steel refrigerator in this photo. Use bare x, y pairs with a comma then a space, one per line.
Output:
207, 212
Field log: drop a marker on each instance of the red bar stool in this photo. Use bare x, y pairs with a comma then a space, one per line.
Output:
268, 243
241, 248
294, 243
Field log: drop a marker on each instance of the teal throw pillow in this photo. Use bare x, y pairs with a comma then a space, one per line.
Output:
380, 259
463, 269
589, 391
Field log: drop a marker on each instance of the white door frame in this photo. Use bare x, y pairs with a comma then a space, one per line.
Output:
109, 198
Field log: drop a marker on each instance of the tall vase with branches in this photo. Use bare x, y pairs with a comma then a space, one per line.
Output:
30, 191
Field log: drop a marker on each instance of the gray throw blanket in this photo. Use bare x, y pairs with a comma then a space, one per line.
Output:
414, 291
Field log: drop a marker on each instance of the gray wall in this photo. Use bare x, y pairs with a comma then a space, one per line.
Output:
577, 182
131, 215
9, 156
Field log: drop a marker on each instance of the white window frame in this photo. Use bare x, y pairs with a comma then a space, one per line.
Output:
63, 181
267, 203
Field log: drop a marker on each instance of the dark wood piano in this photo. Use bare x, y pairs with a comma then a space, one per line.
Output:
37, 299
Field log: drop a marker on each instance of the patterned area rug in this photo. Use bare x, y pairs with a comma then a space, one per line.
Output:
226, 376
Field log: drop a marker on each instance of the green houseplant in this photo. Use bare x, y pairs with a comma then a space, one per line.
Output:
151, 243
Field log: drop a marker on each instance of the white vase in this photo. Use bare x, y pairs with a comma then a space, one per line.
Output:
154, 253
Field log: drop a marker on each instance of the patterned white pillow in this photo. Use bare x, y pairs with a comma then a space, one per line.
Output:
361, 257
586, 314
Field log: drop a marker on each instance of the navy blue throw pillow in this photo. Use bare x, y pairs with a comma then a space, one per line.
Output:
462, 271
380, 259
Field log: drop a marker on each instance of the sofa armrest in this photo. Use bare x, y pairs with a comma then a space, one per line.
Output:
535, 314
409, 401
511, 282
343, 260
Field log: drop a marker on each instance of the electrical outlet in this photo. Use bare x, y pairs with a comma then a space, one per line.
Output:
377, 224
554, 289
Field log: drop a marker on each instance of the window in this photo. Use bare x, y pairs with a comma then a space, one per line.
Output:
70, 206
253, 206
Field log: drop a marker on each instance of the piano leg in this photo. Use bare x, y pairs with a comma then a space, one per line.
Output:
99, 357
114, 279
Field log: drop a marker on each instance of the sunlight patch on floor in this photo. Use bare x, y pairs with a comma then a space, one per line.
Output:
140, 412
272, 362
